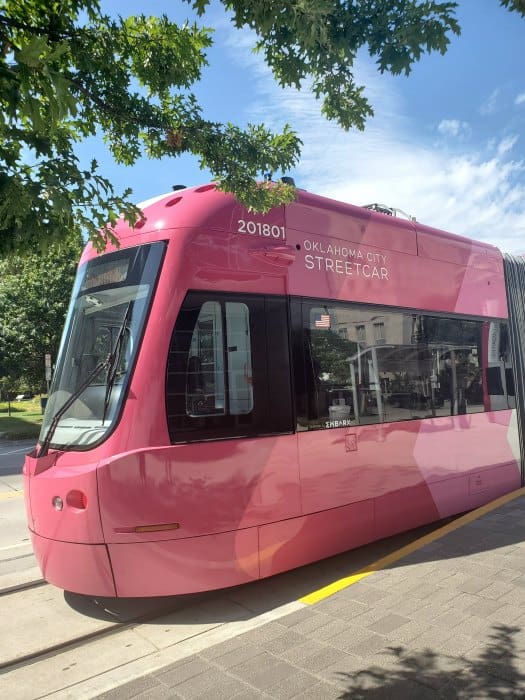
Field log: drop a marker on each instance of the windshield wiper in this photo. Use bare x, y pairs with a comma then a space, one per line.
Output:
114, 360
44, 448
111, 364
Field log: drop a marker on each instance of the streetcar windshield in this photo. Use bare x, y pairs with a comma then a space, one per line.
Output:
110, 300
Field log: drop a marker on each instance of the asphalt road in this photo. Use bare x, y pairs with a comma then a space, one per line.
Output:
12, 454
13, 529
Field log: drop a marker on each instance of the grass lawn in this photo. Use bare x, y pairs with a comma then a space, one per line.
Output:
25, 420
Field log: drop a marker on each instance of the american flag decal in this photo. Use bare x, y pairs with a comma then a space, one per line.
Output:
322, 321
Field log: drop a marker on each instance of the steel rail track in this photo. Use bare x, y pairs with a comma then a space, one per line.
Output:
19, 587
53, 649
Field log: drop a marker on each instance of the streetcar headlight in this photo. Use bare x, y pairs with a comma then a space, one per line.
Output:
57, 502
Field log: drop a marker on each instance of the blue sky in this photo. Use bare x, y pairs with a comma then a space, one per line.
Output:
446, 144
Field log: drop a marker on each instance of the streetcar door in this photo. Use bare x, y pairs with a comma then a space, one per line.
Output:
233, 463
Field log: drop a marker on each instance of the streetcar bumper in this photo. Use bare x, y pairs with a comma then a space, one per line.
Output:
79, 568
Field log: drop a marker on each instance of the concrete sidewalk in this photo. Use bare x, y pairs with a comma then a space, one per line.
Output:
447, 621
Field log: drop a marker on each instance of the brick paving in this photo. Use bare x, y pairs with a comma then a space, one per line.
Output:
448, 621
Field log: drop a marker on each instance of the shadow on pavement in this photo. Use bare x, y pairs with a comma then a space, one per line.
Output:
125, 609
492, 672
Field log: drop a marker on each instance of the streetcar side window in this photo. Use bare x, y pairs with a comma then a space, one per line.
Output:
205, 365
359, 365
228, 372
206, 371
499, 375
240, 389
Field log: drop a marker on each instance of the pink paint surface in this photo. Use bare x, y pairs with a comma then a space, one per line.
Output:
71, 524
475, 447
79, 568
185, 566
206, 488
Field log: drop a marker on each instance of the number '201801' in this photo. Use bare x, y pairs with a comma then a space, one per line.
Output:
256, 228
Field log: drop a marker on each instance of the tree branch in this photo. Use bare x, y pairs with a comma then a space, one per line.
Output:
11, 23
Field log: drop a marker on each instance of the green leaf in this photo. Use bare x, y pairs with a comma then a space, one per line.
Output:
30, 53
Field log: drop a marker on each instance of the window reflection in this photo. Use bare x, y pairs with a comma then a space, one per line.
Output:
367, 367
205, 384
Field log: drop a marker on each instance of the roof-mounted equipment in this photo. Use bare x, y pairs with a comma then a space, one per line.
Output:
389, 211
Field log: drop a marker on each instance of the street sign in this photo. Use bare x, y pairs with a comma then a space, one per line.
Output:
47, 364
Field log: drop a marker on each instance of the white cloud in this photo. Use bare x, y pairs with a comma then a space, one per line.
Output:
468, 193
490, 106
506, 145
520, 99
453, 127
475, 193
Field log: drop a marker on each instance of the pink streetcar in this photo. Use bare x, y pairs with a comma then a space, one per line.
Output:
239, 394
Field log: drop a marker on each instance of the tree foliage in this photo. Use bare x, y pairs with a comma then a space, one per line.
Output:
69, 71
34, 295
514, 5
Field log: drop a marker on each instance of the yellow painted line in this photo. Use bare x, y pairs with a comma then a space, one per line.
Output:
8, 495
382, 563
